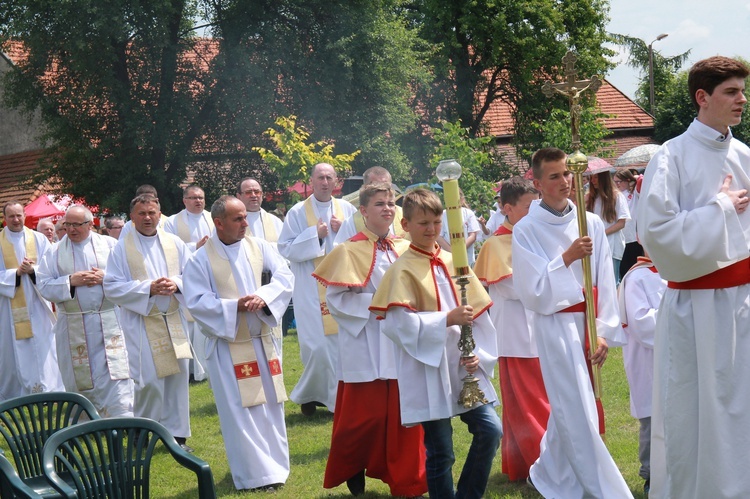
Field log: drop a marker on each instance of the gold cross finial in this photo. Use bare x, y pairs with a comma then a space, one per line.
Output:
572, 89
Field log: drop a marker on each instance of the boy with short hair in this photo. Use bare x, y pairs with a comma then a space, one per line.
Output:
547, 254
367, 431
525, 405
420, 306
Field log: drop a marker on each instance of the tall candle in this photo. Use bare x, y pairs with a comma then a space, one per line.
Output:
456, 227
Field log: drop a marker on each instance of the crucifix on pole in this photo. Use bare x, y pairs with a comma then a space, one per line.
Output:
577, 162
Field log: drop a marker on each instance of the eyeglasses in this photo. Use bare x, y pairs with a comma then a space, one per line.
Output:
195, 198
119, 227
75, 224
257, 192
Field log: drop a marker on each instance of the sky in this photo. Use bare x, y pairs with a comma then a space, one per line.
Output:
705, 27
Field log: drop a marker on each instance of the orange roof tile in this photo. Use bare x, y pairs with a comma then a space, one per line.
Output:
14, 169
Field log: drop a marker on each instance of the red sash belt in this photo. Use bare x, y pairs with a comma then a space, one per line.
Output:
581, 307
736, 274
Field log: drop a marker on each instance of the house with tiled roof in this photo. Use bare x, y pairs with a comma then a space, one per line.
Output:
20, 148
629, 124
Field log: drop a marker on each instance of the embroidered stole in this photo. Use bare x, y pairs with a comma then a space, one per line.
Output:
242, 350
21, 321
114, 343
269, 230
329, 324
166, 338
359, 222
183, 227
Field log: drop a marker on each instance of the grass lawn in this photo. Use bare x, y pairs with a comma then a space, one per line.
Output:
309, 439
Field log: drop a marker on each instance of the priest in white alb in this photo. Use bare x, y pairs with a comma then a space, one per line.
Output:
143, 277
27, 345
225, 295
261, 224
309, 230
193, 225
90, 343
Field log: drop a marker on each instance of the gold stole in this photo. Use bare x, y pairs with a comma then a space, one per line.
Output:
352, 262
114, 343
494, 262
329, 324
359, 222
183, 228
21, 321
166, 338
269, 229
242, 351
410, 283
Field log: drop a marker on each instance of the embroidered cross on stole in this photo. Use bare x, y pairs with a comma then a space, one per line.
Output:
242, 350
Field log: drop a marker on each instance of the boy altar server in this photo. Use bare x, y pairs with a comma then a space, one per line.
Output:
420, 306
224, 293
525, 404
367, 431
547, 250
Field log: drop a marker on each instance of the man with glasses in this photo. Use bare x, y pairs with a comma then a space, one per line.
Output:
90, 343
114, 226
27, 346
194, 226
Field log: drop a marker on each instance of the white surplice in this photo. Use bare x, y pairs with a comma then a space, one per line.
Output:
165, 400
574, 462
616, 240
640, 294
198, 225
254, 437
255, 226
428, 359
299, 244
701, 406
111, 397
29, 365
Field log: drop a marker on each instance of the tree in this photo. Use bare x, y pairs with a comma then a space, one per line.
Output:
665, 68
128, 95
503, 51
297, 156
556, 132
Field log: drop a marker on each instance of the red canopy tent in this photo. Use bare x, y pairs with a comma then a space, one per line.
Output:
42, 207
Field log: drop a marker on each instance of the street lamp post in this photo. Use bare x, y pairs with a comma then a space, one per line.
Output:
651, 70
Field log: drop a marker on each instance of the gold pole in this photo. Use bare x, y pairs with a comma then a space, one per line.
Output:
578, 163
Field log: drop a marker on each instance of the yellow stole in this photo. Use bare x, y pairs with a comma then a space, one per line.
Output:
242, 351
269, 229
359, 222
21, 321
166, 338
183, 228
329, 324
351, 263
410, 283
114, 343
494, 262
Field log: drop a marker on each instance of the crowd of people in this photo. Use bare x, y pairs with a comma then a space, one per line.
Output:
128, 318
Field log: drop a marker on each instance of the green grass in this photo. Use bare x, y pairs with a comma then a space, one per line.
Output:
309, 439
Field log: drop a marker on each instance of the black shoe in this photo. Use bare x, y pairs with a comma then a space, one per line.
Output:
647, 487
356, 484
183, 445
308, 408
530, 483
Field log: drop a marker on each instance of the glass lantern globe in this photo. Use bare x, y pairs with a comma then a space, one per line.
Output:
448, 169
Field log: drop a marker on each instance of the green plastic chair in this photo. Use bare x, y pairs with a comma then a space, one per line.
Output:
11, 485
27, 422
111, 459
